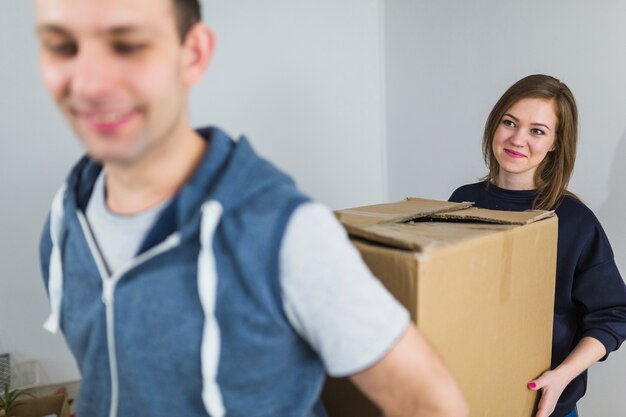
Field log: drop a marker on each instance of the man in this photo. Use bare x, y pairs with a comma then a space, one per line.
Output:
188, 275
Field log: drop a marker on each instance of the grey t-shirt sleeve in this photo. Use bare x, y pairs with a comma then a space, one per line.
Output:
331, 298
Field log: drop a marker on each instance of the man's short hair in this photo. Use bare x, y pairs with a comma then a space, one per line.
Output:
188, 13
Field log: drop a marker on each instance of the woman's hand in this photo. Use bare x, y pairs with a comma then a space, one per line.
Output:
551, 384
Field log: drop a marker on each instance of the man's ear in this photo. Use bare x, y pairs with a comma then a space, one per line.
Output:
198, 49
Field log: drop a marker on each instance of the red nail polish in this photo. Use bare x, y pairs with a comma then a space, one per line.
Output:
532, 385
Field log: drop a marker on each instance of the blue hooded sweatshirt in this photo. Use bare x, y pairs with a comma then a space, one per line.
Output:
194, 324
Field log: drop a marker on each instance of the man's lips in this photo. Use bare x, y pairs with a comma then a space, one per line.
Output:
514, 154
105, 121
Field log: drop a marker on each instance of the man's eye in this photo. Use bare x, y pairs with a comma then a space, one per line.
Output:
128, 48
65, 49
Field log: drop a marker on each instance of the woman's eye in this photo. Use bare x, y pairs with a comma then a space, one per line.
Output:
537, 132
128, 48
508, 123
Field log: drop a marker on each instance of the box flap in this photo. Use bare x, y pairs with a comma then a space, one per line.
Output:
402, 211
391, 224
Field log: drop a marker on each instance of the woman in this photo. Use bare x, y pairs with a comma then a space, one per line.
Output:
529, 145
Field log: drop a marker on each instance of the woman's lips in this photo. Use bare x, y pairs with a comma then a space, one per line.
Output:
514, 154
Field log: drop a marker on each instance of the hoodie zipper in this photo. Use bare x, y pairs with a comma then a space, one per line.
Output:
108, 294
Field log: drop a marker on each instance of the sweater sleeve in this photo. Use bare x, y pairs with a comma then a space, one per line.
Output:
600, 291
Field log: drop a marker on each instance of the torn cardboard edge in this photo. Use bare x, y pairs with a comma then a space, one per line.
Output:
519, 218
390, 224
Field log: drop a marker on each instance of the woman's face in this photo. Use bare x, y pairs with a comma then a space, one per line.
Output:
525, 135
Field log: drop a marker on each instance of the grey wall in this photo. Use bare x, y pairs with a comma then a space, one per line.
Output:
36, 151
304, 80
447, 64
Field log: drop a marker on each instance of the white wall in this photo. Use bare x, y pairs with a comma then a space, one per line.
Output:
447, 64
303, 80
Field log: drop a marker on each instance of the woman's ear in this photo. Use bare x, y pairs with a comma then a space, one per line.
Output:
198, 49
555, 145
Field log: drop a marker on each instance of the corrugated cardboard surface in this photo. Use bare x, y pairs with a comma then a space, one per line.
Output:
480, 286
43, 406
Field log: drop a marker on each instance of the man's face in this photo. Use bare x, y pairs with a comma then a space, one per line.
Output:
116, 70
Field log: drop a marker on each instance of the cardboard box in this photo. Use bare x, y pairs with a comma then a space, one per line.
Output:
478, 283
42, 406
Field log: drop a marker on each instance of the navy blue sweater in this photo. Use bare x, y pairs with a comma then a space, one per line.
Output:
590, 298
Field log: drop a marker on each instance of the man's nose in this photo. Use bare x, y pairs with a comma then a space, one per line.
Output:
93, 75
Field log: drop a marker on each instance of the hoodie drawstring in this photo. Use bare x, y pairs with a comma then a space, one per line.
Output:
207, 289
55, 269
